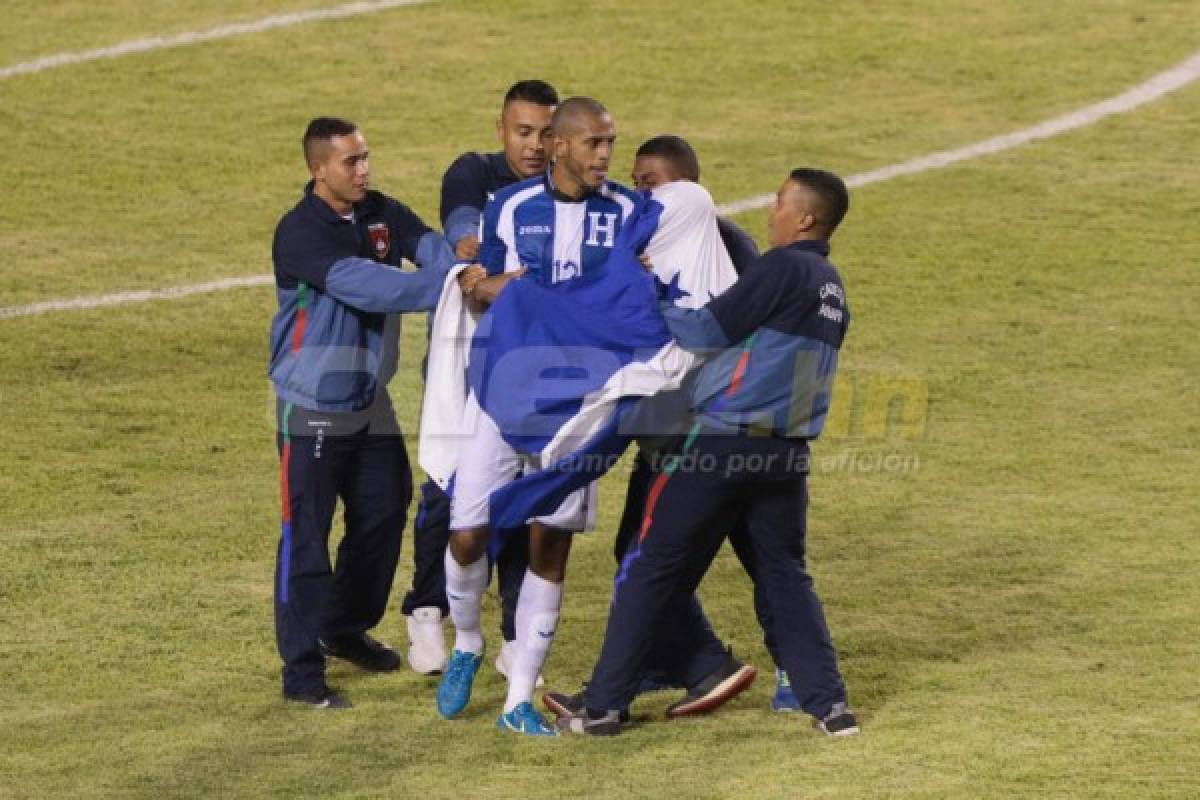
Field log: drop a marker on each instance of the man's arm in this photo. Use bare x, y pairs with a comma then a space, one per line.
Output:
462, 205
487, 290
370, 286
302, 255
735, 313
493, 255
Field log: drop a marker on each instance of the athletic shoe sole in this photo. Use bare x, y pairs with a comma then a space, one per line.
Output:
551, 702
846, 725
721, 694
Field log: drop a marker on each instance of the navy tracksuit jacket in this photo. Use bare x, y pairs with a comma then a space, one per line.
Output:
757, 402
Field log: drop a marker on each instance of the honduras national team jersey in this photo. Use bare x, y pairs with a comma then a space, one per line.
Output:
532, 225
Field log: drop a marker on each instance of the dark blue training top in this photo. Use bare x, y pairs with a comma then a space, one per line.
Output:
739, 244
338, 281
467, 186
779, 329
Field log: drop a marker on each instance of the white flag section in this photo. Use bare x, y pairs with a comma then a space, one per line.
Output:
691, 263
443, 425
557, 368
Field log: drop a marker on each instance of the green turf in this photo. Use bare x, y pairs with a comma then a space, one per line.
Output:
1015, 606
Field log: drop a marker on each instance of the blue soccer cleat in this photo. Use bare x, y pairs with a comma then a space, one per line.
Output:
454, 692
785, 698
523, 719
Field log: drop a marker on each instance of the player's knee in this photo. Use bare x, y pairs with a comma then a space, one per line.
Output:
468, 546
550, 573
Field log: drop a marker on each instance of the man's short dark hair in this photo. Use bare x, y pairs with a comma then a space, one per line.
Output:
323, 129
833, 200
572, 110
677, 151
532, 91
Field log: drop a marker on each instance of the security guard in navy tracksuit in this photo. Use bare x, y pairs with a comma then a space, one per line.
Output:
333, 349
758, 403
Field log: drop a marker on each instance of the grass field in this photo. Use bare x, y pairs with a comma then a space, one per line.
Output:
1016, 607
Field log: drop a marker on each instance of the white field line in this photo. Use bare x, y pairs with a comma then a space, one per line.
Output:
123, 298
1164, 82
193, 37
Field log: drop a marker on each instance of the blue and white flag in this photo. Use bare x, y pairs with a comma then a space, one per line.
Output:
558, 368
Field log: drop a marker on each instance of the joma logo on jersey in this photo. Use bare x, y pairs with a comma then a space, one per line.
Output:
598, 228
564, 271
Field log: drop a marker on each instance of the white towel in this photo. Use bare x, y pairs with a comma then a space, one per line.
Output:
443, 429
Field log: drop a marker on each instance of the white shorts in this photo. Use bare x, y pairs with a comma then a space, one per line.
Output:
487, 463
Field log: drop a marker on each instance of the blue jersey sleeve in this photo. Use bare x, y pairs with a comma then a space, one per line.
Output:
492, 249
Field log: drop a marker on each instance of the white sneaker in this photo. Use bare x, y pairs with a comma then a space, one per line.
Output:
426, 644
506, 657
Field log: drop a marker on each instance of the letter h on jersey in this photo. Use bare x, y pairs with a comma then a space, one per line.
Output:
606, 228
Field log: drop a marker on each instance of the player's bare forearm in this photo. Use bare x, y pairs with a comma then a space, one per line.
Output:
488, 289
468, 279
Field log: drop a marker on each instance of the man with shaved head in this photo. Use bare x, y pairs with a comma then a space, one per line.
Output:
553, 228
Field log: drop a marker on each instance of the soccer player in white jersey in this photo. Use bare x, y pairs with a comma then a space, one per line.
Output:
552, 228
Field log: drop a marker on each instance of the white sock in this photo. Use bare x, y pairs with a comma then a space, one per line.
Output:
537, 619
464, 593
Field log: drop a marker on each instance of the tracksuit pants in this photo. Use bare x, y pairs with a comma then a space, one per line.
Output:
431, 533
719, 483
320, 462
685, 644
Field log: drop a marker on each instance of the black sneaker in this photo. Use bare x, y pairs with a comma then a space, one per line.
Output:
733, 678
571, 705
361, 651
840, 721
609, 724
323, 698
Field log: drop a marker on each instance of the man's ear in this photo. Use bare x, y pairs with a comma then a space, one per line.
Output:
806, 223
560, 146
500, 129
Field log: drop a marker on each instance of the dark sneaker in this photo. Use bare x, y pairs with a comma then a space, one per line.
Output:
840, 721
323, 698
585, 724
733, 678
361, 651
571, 705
